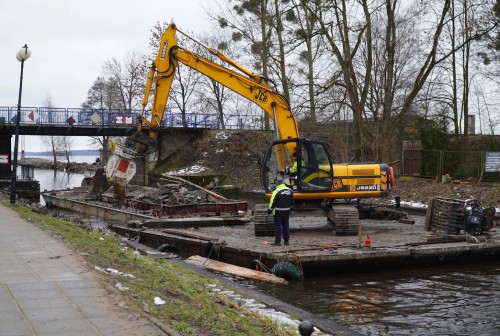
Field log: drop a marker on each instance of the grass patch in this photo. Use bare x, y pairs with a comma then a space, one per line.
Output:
190, 308
411, 178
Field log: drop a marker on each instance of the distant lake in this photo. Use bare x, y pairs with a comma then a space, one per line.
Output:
50, 180
73, 158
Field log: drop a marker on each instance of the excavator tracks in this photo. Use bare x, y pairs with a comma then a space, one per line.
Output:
345, 218
264, 224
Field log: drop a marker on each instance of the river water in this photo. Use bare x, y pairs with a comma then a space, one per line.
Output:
459, 299
57, 180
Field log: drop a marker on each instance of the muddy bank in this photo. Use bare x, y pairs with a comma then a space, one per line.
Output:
73, 167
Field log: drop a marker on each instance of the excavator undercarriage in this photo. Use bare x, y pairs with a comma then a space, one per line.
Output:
343, 217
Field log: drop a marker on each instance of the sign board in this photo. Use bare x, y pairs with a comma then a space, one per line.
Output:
124, 120
492, 162
33, 116
96, 118
4, 159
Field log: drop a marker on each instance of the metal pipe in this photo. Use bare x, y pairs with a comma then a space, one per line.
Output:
22, 55
16, 140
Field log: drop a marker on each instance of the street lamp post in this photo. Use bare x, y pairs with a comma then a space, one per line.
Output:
22, 55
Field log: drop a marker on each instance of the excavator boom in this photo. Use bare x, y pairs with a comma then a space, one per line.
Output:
121, 167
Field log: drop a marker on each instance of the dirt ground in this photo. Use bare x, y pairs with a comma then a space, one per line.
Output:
423, 190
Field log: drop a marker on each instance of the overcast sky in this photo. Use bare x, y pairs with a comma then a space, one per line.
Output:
71, 39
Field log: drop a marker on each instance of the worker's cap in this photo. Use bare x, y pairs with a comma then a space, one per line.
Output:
279, 180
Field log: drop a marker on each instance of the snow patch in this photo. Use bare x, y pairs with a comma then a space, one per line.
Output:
222, 136
159, 301
112, 271
121, 287
280, 317
187, 171
410, 204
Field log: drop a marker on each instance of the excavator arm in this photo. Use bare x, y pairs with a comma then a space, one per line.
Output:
240, 80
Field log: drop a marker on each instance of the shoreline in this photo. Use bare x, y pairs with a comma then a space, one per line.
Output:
43, 163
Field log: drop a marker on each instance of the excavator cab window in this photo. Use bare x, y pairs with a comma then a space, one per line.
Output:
304, 164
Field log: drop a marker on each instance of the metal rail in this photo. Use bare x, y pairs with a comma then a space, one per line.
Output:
122, 118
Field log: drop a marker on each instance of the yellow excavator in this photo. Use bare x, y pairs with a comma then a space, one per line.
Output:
305, 164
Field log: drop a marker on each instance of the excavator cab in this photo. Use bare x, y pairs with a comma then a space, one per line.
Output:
307, 168
305, 165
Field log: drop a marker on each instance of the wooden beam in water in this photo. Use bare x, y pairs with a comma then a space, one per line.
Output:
235, 270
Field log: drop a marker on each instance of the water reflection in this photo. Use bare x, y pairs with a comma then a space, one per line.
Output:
57, 180
453, 300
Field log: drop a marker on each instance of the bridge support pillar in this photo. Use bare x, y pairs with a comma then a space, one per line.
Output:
170, 141
5, 156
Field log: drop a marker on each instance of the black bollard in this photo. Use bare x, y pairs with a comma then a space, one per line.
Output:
306, 328
398, 202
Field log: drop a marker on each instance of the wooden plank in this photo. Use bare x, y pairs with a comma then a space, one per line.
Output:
235, 270
181, 180
187, 234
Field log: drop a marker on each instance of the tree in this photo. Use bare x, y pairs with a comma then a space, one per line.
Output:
120, 87
103, 94
491, 54
66, 143
488, 85
453, 78
52, 143
338, 31
354, 30
129, 76
211, 95
308, 44
249, 21
182, 93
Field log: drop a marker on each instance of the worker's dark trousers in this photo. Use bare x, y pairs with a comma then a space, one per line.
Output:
281, 226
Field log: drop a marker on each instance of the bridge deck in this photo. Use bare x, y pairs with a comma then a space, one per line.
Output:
114, 122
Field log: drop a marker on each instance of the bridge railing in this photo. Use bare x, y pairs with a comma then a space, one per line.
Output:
120, 118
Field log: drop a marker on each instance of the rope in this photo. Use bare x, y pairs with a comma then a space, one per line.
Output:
260, 266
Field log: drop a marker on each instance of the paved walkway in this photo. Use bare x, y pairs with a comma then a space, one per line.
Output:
47, 289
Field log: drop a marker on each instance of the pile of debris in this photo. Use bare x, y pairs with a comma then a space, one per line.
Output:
174, 196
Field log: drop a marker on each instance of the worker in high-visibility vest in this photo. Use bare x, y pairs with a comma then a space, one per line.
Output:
292, 170
281, 205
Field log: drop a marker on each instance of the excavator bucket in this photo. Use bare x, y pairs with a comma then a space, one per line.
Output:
120, 170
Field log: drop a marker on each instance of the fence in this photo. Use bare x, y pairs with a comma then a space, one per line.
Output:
118, 118
457, 164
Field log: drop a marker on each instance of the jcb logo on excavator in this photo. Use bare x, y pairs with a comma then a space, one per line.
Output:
260, 96
337, 184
